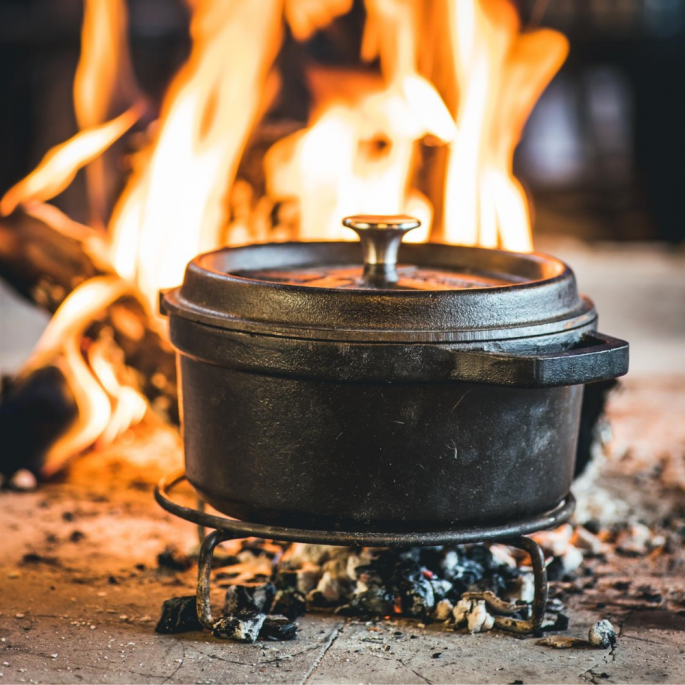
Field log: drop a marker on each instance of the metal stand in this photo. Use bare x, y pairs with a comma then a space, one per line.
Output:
512, 534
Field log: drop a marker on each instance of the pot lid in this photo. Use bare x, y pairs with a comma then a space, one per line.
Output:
435, 293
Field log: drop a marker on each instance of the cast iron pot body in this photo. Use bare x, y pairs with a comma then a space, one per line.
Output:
383, 410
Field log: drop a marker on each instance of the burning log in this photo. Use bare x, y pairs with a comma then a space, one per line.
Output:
45, 266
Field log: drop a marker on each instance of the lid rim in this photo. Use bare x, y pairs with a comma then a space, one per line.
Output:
543, 305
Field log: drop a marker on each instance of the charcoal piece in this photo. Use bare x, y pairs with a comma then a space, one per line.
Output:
286, 579
461, 572
241, 598
242, 628
179, 615
555, 570
431, 558
561, 623
417, 597
278, 628
442, 589
482, 555
290, 603
376, 600
593, 526
173, 559
493, 583
382, 567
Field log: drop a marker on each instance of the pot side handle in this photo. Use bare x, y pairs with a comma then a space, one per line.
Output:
596, 357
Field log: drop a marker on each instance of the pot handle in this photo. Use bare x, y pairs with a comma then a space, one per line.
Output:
596, 357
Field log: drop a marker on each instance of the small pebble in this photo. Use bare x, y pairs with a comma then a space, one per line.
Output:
23, 481
602, 635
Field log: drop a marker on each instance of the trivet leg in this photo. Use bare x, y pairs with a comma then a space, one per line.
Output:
541, 588
201, 530
204, 568
492, 601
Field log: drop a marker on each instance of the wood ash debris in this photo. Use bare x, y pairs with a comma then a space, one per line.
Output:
445, 584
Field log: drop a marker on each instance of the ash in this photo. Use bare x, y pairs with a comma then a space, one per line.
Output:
428, 584
268, 585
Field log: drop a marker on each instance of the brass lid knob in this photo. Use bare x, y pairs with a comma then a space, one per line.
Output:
380, 237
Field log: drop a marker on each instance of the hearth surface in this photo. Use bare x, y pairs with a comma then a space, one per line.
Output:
83, 604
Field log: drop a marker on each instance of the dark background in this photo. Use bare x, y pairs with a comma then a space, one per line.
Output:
603, 153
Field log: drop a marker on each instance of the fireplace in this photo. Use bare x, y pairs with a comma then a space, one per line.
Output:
285, 118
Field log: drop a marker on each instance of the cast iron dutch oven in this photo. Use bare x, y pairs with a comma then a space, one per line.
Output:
435, 393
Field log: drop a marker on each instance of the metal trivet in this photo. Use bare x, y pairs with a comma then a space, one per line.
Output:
512, 534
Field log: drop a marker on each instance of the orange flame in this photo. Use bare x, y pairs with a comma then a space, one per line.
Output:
174, 206
60, 346
59, 166
500, 75
358, 156
104, 75
104, 85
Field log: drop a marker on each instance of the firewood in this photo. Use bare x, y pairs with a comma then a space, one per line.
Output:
44, 265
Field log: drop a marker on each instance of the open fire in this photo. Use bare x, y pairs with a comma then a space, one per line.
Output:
425, 124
